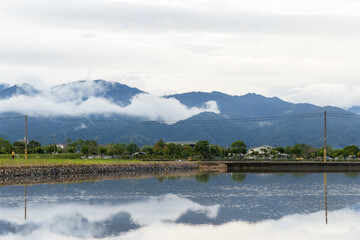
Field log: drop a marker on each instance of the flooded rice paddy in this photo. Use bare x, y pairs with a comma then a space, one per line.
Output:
203, 206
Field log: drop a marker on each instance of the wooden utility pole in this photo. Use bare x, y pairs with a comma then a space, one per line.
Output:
325, 136
25, 137
54, 143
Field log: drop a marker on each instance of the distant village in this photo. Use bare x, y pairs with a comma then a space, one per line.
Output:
190, 150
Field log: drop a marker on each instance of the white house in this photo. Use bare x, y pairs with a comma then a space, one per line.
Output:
262, 150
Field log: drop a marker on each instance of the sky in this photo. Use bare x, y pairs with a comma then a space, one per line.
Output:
300, 51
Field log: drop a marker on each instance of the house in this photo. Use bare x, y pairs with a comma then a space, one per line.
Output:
261, 150
62, 146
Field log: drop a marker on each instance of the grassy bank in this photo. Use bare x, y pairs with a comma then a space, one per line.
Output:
50, 162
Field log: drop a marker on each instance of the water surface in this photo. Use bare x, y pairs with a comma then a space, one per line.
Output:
207, 206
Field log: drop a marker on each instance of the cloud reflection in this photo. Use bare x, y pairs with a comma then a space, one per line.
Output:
95, 221
343, 224
157, 218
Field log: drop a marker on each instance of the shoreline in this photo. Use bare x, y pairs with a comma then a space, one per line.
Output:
20, 175
291, 166
73, 173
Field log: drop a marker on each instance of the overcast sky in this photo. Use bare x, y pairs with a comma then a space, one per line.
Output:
298, 50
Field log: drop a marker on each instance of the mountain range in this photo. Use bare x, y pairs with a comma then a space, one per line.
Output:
253, 118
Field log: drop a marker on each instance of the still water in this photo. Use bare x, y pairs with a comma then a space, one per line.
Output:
208, 206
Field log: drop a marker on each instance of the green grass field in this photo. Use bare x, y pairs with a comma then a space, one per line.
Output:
47, 160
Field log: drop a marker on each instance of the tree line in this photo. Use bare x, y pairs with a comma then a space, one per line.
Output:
202, 149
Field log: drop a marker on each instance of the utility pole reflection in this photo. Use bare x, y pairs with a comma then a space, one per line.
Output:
326, 217
25, 200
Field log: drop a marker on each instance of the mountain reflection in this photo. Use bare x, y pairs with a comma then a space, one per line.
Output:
97, 222
203, 206
87, 221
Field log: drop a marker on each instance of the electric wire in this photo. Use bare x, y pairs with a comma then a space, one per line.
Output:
193, 121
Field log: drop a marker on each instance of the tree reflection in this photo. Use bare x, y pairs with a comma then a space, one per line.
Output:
299, 174
351, 175
202, 178
238, 177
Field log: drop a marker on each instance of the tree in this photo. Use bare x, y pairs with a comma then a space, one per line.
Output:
39, 150
160, 143
33, 145
50, 148
110, 149
339, 153
147, 149
5, 146
172, 150
351, 150
329, 151
19, 147
238, 147
119, 148
132, 148
102, 150
85, 149
213, 151
92, 145
159, 147
186, 151
295, 150
255, 153
280, 150
70, 149
202, 148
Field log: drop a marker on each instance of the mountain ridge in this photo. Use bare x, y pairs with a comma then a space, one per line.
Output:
242, 117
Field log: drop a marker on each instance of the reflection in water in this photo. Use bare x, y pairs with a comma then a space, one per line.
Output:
263, 205
203, 178
326, 216
86, 221
238, 177
25, 201
351, 175
299, 174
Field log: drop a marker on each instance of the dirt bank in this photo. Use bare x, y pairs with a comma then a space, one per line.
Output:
59, 173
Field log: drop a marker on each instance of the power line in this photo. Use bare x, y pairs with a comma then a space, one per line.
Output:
195, 121
11, 117
245, 119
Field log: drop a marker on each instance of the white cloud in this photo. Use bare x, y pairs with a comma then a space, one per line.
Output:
326, 94
143, 105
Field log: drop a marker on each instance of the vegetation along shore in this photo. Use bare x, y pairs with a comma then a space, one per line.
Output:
200, 150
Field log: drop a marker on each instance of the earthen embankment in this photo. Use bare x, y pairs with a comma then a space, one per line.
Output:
63, 173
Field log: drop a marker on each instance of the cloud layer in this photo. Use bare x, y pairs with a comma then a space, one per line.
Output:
276, 48
143, 105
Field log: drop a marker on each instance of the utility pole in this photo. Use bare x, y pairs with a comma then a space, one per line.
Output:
54, 135
65, 140
325, 136
25, 137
